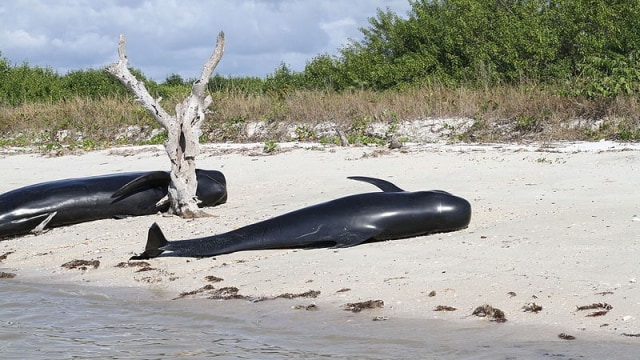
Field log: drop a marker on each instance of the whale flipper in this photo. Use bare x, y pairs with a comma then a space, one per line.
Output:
32, 224
382, 184
144, 182
40, 228
353, 238
155, 241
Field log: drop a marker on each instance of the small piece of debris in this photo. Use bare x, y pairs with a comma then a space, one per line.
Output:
488, 311
6, 275
359, 306
380, 318
603, 293
603, 306
511, 294
128, 264
564, 336
432, 293
150, 279
532, 307
81, 264
3, 257
631, 335
343, 290
214, 279
231, 292
143, 265
310, 307
194, 292
597, 313
226, 293
307, 294
395, 144
444, 308
594, 306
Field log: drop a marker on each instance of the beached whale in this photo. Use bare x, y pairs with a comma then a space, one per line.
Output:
347, 221
72, 201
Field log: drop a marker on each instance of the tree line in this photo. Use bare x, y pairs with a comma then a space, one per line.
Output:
579, 47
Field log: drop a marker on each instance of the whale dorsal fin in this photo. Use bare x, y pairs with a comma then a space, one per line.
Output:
146, 181
382, 184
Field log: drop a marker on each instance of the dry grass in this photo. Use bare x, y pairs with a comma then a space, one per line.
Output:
501, 114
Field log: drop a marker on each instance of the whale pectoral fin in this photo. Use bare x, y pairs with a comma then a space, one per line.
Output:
162, 202
144, 182
354, 238
381, 184
155, 241
40, 228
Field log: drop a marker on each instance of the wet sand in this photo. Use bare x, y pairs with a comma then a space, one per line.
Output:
554, 228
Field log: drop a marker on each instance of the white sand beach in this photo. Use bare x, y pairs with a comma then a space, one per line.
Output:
555, 225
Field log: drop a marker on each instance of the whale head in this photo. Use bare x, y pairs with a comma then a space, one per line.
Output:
212, 187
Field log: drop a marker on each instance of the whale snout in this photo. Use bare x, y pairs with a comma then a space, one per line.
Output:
448, 212
456, 211
212, 187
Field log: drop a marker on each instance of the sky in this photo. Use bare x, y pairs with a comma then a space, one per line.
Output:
165, 37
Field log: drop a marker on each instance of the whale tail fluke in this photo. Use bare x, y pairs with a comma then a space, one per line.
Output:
155, 241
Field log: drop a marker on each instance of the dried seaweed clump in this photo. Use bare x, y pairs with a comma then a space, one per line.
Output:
564, 336
359, 306
603, 309
6, 275
491, 313
4, 256
532, 307
81, 264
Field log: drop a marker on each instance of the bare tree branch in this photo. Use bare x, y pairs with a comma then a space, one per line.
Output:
200, 86
183, 143
121, 71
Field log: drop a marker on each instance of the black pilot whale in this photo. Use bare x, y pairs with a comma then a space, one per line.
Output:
347, 221
71, 201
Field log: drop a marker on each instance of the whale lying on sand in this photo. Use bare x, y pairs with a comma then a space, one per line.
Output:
71, 201
347, 221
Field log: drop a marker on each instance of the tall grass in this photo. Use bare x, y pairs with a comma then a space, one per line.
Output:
501, 113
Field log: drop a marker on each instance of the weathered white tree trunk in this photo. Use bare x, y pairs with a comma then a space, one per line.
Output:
183, 143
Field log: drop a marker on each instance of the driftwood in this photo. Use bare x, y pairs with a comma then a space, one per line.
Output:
183, 144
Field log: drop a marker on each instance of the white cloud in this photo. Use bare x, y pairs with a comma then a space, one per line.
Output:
338, 31
166, 37
22, 39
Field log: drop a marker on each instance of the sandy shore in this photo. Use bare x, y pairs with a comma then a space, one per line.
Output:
558, 226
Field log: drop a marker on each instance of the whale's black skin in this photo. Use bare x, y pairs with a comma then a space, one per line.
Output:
71, 201
351, 220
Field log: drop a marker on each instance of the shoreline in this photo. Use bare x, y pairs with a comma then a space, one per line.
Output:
555, 225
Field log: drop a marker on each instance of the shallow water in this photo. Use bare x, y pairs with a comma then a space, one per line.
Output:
61, 322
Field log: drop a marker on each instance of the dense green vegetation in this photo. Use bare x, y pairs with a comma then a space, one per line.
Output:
504, 55
590, 45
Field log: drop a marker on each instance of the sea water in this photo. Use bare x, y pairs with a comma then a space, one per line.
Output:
46, 321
